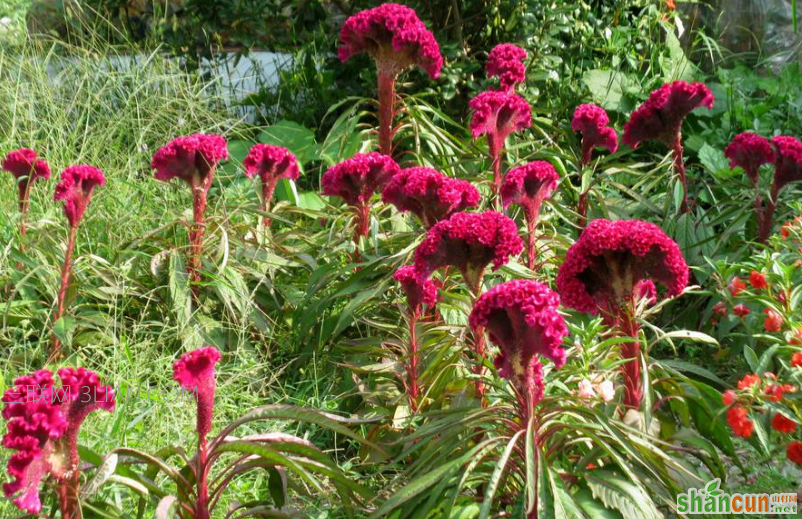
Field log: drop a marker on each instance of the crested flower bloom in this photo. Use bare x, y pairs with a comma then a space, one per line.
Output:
741, 310
757, 280
27, 167
773, 322
497, 115
192, 159
749, 381
593, 123
604, 271
521, 318
419, 290
355, 180
660, 118
270, 164
528, 186
506, 62
739, 422
429, 194
796, 360
749, 151
794, 452
736, 286
397, 40
469, 242
195, 371
75, 189
787, 169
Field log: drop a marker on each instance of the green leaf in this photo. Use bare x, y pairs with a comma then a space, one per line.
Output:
751, 358
63, 329
621, 494
179, 289
608, 87
277, 486
164, 507
296, 138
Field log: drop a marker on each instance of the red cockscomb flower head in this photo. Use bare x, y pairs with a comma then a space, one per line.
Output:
661, 116
773, 322
419, 290
739, 422
796, 360
26, 167
741, 310
757, 280
394, 37
521, 318
603, 267
83, 394
592, 122
194, 371
645, 291
529, 185
271, 163
35, 421
736, 286
356, 179
749, 151
192, 159
469, 242
749, 381
498, 114
429, 194
782, 424
794, 452
720, 309
728, 397
505, 61
787, 160
75, 189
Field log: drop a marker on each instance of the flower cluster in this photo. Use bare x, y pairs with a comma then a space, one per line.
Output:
192, 159
27, 167
498, 114
429, 194
529, 185
593, 123
505, 61
395, 38
788, 160
749, 151
420, 290
356, 179
271, 163
75, 189
195, 372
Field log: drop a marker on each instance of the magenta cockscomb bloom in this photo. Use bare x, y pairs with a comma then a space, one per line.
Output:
593, 122
420, 291
43, 425
193, 159
497, 115
195, 371
469, 242
506, 62
606, 270
27, 167
750, 151
528, 186
660, 118
787, 169
521, 318
397, 40
270, 164
355, 180
429, 194
75, 190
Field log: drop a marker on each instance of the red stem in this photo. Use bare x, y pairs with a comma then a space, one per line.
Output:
268, 187
768, 214
495, 147
386, 112
196, 235
412, 369
633, 384
582, 208
679, 168
69, 486
362, 228
65, 283
478, 343
202, 503
532, 216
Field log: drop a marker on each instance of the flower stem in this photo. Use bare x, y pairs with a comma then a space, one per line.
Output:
268, 187
386, 112
196, 236
630, 352
66, 270
202, 504
582, 208
768, 214
532, 216
679, 168
362, 228
495, 147
412, 369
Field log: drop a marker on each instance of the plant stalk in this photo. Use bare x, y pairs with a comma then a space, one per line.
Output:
202, 504
679, 168
268, 187
495, 148
412, 369
532, 217
768, 214
66, 270
386, 112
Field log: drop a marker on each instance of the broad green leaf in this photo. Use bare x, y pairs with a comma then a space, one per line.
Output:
296, 138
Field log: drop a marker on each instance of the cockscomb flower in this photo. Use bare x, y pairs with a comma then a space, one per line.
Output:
429, 194
749, 151
787, 169
506, 62
469, 242
521, 318
355, 180
75, 189
270, 164
604, 271
528, 186
593, 122
194, 371
419, 290
27, 167
497, 115
739, 422
396, 39
660, 118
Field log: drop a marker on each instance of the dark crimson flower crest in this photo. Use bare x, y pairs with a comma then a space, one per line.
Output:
75, 190
661, 116
521, 318
529, 185
271, 163
749, 151
429, 194
498, 114
469, 242
194, 371
192, 159
394, 37
356, 179
593, 123
601, 270
27, 167
420, 290
788, 160
506, 61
